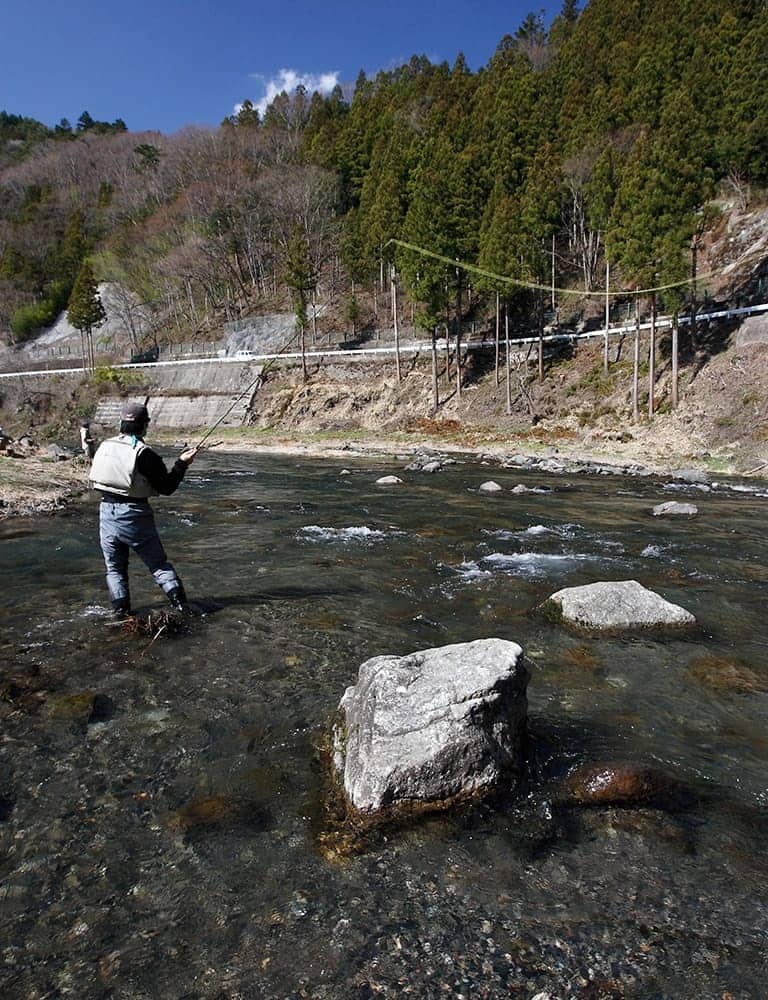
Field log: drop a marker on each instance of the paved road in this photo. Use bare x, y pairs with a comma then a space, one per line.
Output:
408, 349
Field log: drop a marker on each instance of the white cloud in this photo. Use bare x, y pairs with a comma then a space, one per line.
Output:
288, 80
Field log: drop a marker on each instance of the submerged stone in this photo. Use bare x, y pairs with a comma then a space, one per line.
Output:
83, 707
727, 675
76, 707
522, 488
490, 487
388, 481
620, 604
656, 826
202, 812
614, 784
674, 507
7, 805
425, 728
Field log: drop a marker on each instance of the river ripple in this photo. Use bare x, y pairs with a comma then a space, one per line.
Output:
159, 803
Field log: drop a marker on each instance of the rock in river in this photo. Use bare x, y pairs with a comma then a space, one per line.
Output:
489, 487
423, 728
690, 475
674, 507
388, 481
617, 605
613, 784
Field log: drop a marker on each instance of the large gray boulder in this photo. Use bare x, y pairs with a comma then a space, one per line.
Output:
423, 728
623, 604
56, 452
754, 330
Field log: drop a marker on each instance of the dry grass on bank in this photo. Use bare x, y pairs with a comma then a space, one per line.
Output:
39, 485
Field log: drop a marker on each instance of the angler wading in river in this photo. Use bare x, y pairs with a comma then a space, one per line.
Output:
127, 472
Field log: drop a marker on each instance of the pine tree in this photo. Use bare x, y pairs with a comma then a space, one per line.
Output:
300, 277
743, 133
665, 183
85, 310
428, 225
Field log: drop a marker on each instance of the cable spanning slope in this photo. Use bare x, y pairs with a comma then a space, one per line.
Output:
617, 292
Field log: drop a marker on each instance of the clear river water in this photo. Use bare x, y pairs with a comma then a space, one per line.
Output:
162, 820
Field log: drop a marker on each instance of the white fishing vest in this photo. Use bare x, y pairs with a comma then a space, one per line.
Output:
114, 468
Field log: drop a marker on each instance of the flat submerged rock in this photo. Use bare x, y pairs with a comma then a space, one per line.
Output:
674, 507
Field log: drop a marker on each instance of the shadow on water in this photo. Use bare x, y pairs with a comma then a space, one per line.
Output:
9, 532
209, 605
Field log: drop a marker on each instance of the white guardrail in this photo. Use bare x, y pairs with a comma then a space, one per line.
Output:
413, 347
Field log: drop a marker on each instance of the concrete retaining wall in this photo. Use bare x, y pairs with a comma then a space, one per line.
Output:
214, 388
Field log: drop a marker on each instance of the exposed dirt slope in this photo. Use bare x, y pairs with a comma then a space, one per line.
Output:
720, 422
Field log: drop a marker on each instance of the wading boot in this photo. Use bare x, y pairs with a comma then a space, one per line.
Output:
121, 609
178, 600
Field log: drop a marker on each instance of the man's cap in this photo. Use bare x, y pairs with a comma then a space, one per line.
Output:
137, 412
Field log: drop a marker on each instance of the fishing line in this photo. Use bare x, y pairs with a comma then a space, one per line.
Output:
229, 409
549, 288
264, 371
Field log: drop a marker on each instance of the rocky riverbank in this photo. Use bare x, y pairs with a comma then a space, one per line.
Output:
44, 479
39, 480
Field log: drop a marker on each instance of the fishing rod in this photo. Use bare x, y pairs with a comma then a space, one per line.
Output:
249, 388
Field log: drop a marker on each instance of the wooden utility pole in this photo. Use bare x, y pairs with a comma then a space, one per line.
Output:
694, 303
435, 393
458, 332
674, 361
393, 284
636, 365
507, 361
607, 314
652, 358
497, 338
553, 272
447, 336
540, 318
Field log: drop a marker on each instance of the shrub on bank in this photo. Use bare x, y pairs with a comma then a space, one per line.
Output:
27, 319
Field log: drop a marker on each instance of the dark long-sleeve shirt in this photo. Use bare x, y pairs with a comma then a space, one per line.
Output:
152, 467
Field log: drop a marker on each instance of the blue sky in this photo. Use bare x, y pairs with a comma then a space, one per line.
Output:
167, 64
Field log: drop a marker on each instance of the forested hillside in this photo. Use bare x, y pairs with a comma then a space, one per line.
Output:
605, 136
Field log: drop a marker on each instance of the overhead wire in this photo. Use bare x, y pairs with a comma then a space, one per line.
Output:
485, 273
536, 286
